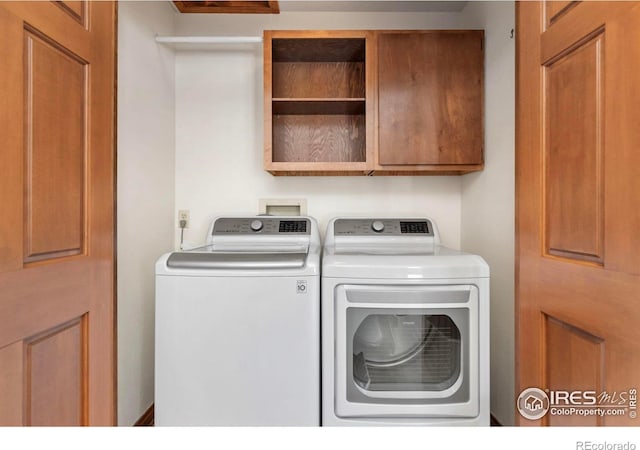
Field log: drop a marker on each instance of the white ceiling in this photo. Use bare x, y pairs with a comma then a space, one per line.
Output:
372, 6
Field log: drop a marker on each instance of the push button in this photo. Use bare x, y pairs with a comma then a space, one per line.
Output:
377, 226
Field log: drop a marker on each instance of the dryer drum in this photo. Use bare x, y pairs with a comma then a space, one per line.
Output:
432, 364
391, 338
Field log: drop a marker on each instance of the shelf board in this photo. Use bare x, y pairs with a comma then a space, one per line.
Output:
207, 42
328, 106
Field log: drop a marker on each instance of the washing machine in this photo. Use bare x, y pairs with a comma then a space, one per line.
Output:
405, 327
238, 326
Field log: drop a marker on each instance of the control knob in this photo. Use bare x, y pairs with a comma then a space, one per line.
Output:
256, 225
377, 226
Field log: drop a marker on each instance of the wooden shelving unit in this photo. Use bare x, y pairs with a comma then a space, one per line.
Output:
368, 102
316, 102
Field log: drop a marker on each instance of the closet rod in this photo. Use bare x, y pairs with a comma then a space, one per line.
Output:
209, 39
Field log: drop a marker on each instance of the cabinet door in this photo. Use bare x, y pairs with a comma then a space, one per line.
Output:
430, 97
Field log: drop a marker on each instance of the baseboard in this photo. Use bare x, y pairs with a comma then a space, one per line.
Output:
146, 419
494, 422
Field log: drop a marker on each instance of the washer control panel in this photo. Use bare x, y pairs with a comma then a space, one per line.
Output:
261, 225
384, 227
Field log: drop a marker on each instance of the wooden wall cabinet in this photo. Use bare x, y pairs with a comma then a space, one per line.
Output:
373, 102
430, 101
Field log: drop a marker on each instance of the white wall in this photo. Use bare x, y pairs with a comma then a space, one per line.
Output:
219, 132
488, 196
146, 135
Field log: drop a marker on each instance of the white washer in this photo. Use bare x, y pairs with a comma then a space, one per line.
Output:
238, 326
405, 327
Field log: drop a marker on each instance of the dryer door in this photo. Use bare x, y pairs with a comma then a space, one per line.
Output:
406, 351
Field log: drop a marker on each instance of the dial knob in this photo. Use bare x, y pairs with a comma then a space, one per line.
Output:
377, 226
256, 225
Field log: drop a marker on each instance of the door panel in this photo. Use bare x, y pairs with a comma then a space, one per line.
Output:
573, 153
574, 361
57, 81
55, 368
577, 193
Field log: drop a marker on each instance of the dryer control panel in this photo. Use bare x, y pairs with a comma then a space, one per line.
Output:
384, 227
261, 226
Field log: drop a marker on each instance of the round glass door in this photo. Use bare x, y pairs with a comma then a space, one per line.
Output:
406, 352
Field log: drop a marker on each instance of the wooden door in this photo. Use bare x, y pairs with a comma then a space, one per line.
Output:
578, 197
430, 101
57, 69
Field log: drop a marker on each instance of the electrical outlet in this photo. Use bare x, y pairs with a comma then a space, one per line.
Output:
183, 214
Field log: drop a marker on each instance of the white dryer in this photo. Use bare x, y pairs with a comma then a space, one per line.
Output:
238, 326
405, 327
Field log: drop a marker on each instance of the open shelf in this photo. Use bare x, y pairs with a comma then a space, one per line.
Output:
318, 138
318, 79
317, 102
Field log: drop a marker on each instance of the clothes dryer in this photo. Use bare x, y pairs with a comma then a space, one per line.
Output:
405, 327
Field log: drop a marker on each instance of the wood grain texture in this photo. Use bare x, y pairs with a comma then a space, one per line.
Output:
147, 419
574, 361
574, 163
528, 319
430, 99
320, 106
47, 295
371, 94
280, 170
11, 384
77, 10
228, 7
319, 47
439, 169
622, 141
55, 369
554, 9
12, 132
318, 79
101, 239
597, 299
267, 63
319, 138
55, 150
